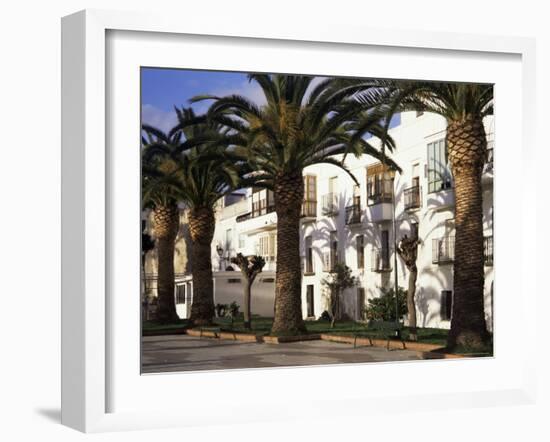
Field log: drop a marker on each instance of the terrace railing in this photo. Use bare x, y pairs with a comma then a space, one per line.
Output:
412, 197
329, 204
353, 214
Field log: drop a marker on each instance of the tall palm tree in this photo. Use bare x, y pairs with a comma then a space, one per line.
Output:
200, 174
161, 193
464, 106
302, 123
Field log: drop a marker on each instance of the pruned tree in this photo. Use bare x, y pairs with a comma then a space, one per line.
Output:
339, 279
408, 251
250, 267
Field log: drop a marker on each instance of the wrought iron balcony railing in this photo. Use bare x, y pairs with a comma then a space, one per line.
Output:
329, 204
443, 250
258, 209
353, 214
379, 191
412, 197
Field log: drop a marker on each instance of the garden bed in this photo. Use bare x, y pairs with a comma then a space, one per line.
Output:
158, 328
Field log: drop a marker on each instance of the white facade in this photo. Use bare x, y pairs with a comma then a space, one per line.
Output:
354, 225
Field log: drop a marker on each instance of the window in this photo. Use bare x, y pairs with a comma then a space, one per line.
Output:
267, 247
310, 188
356, 196
262, 202
333, 249
414, 230
439, 176
234, 280
180, 294
333, 185
310, 301
309, 254
241, 241
446, 304
379, 184
228, 239
360, 245
309, 206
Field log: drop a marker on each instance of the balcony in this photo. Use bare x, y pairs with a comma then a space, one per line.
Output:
443, 250
353, 214
329, 204
380, 260
379, 200
488, 250
412, 198
379, 192
309, 210
259, 209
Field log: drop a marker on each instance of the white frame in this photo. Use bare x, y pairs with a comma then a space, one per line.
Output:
84, 348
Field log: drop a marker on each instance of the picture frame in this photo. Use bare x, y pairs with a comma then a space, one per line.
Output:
87, 318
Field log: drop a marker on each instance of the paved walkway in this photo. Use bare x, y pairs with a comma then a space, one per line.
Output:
186, 353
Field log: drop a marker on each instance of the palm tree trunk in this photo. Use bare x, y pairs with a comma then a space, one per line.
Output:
166, 228
201, 229
247, 305
288, 195
411, 306
467, 145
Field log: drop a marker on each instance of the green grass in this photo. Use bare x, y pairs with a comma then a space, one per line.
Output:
156, 326
262, 326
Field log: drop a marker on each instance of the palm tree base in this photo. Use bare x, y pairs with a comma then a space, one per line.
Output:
471, 340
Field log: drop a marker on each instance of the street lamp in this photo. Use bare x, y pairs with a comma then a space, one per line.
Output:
219, 251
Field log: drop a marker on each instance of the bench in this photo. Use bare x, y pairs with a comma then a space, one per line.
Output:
214, 329
388, 329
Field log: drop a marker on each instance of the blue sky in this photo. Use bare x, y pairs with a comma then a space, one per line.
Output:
162, 89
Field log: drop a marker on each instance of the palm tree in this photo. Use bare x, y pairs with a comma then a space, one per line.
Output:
160, 192
200, 176
302, 123
464, 106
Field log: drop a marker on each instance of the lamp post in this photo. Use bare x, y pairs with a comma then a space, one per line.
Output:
219, 251
396, 281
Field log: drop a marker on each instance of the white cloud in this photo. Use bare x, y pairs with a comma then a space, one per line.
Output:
158, 118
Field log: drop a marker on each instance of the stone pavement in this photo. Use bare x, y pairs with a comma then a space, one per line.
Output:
185, 353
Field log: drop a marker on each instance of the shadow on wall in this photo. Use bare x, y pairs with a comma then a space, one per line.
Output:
428, 294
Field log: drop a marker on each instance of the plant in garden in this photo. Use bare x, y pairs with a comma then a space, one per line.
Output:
383, 307
339, 279
250, 267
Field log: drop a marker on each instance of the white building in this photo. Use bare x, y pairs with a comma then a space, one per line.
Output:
353, 224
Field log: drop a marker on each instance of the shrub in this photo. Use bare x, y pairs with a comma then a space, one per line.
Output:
325, 316
383, 307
